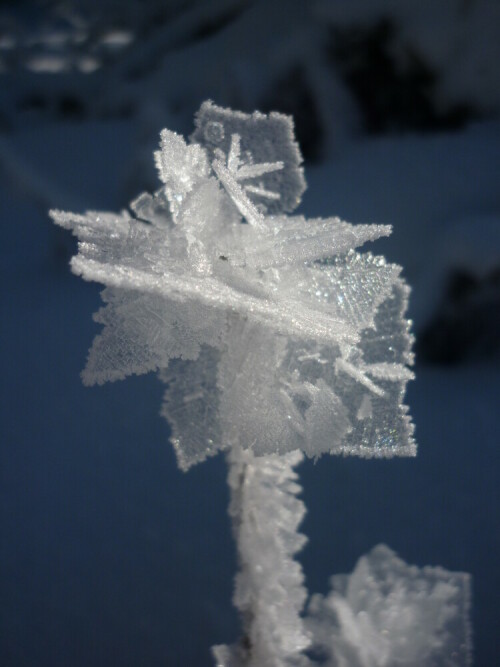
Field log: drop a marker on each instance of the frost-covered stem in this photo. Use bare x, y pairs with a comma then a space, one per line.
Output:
269, 590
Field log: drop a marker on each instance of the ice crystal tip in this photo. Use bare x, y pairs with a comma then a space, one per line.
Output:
272, 332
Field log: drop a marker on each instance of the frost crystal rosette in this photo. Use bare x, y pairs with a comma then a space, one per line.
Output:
271, 331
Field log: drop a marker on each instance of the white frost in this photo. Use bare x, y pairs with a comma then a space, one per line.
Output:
390, 614
271, 331
269, 591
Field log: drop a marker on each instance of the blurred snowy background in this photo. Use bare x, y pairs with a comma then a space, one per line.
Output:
109, 555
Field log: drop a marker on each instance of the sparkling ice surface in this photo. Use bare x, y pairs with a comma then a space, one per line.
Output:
271, 331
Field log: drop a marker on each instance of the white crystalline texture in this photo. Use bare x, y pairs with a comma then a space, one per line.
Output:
180, 166
390, 614
272, 332
262, 139
143, 332
269, 589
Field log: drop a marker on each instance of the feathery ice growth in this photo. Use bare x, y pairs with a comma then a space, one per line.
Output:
276, 339
285, 337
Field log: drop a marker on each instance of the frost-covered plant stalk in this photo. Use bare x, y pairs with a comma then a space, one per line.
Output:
276, 339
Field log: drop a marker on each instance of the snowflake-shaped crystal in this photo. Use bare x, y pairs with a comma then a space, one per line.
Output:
270, 330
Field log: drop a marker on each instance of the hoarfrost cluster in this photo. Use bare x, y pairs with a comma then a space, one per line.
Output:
387, 613
276, 339
284, 336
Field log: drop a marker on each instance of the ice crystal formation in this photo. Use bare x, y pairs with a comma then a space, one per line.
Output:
272, 332
390, 614
276, 339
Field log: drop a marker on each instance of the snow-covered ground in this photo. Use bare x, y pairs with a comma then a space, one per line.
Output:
108, 553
